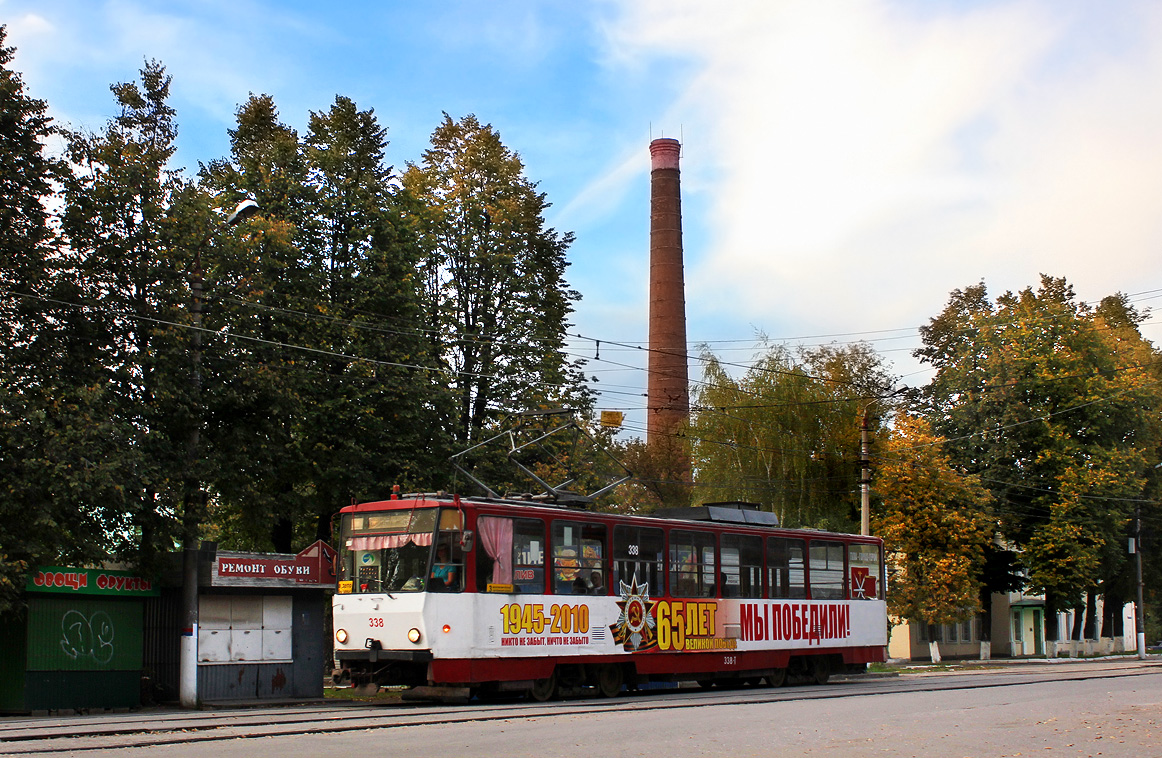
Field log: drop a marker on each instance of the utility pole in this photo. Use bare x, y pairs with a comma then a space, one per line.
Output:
1140, 608
194, 498
865, 478
865, 462
188, 653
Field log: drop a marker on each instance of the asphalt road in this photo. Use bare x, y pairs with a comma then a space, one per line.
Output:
1106, 708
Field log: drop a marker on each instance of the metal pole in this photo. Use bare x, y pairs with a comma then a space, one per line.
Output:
865, 480
194, 498
1140, 610
188, 662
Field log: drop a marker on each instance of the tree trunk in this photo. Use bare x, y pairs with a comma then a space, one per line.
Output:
325, 527
1107, 618
986, 615
282, 534
1091, 628
1113, 613
1050, 617
1078, 622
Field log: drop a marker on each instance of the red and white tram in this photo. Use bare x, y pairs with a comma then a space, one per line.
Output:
443, 593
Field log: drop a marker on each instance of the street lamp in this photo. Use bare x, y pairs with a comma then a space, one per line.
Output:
865, 462
243, 211
188, 653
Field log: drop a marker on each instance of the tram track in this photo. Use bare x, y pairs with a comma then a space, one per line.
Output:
80, 734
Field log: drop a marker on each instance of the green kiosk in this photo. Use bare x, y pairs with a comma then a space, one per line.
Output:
78, 645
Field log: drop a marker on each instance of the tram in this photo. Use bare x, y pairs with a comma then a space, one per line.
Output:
447, 595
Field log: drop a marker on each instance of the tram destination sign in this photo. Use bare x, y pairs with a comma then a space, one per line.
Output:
314, 566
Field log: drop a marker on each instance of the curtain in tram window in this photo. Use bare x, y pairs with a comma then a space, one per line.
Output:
496, 538
379, 542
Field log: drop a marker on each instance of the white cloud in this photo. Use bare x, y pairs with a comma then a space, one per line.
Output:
869, 157
605, 191
29, 25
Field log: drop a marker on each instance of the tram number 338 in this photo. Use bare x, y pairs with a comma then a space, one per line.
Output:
530, 618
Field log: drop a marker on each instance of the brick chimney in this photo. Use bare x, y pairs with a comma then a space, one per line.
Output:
668, 380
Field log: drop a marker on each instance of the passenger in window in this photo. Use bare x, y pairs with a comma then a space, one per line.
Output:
714, 589
579, 587
444, 574
598, 585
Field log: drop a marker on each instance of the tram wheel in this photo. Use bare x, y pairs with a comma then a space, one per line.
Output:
544, 689
777, 679
706, 684
610, 677
822, 669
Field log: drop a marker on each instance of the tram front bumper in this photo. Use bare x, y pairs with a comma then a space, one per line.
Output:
374, 655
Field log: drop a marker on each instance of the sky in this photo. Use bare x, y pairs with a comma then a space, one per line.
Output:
845, 165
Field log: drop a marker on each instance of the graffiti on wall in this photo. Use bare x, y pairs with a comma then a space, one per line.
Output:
87, 636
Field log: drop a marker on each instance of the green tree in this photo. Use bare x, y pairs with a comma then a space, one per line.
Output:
256, 394
326, 302
38, 523
936, 526
1054, 405
786, 433
493, 272
386, 420
128, 220
658, 472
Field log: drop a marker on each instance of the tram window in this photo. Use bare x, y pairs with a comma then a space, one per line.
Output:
742, 565
826, 571
447, 572
513, 555
785, 575
387, 551
578, 558
864, 564
637, 558
692, 568
390, 521
398, 568
451, 519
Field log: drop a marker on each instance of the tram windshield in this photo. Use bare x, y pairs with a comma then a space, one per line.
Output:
392, 551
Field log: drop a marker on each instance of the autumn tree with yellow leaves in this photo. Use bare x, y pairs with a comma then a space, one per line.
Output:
935, 523
1054, 403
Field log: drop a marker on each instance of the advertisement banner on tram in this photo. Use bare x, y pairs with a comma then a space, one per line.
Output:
634, 623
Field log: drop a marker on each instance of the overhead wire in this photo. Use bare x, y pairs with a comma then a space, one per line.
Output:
603, 389
609, 344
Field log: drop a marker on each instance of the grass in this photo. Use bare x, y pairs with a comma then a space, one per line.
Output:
351, 694
920, 667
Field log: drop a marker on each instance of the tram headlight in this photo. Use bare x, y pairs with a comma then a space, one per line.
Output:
414, 635
341, 636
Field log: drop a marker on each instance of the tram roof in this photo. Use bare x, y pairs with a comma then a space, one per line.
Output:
721, 514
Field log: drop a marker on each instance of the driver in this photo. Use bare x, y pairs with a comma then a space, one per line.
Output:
444, 573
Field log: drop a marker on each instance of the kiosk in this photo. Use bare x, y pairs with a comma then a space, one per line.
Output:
78, 644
